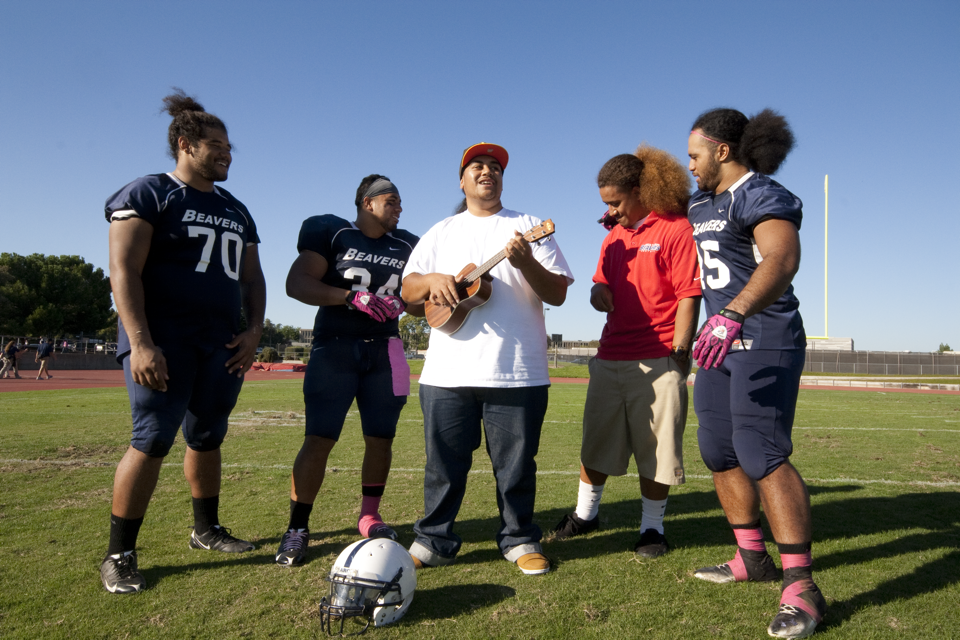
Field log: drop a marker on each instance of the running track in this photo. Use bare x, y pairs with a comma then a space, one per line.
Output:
114, 378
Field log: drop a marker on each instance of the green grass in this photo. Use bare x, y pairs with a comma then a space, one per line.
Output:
883, 470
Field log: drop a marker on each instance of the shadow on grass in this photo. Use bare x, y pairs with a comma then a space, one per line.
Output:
938, 513
451, 601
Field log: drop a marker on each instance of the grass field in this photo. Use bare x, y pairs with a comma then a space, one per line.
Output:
883, 470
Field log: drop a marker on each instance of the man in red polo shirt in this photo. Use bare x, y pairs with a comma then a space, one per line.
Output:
648, 284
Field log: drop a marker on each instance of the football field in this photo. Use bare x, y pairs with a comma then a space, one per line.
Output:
883, 471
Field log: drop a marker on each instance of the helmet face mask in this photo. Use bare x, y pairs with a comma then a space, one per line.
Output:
372, 581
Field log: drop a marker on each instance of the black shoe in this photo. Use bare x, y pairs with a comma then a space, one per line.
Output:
747, 570
572, 526
293, 547
119, 573
651, 545
382, 530
218, 538
793, 621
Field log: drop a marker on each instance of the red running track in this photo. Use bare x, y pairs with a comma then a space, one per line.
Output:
114, 378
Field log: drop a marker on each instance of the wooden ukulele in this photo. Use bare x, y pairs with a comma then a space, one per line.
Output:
474, 287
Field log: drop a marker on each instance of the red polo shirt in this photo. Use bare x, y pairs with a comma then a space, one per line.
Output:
649, 270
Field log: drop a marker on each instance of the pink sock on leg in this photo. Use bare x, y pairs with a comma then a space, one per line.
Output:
750, 539
370, 509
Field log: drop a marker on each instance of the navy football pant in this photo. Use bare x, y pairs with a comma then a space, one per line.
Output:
341, 369
746, 408
200, 396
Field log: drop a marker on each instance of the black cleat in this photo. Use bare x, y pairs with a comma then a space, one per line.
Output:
218, 538
382, 530
119, 573
652, 544
572, 526
293, 547
740, 569
800, 615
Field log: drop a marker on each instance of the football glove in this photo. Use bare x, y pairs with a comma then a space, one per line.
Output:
370, 304
396, 305
715, 338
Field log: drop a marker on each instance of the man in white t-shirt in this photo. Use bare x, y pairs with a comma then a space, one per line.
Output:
493, 369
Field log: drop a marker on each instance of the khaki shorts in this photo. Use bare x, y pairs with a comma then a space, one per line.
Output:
639, 408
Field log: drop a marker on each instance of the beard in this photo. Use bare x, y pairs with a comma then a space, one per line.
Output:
212, 171
710, 177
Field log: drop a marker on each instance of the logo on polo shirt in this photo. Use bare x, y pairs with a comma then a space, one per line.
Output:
650, 247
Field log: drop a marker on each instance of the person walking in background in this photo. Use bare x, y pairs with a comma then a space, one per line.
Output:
9, 356
44, 355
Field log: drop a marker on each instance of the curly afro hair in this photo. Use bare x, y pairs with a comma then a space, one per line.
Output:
664, 183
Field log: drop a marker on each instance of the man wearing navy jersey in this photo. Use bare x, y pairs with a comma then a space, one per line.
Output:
351, 271
183, 260
751, 353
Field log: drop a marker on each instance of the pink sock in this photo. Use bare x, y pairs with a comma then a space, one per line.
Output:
370, 509
750, 539
793, 560
793, 596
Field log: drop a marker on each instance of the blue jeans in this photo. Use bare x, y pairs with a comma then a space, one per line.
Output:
512, 419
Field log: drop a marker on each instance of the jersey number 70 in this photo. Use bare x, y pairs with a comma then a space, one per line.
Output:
228, 240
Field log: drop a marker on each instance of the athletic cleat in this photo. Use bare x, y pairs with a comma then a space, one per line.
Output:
119, 573
293, 547
652, 544
218, 538
801, 608
720, 574
533, 564
571, 526
382, 530
739, 570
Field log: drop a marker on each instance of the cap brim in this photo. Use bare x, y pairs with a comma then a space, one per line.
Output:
495, 151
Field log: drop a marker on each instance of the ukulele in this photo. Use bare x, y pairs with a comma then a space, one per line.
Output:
474, 287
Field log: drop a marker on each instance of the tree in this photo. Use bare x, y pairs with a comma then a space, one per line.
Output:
278, 333
944, 347
52, 295
414, 331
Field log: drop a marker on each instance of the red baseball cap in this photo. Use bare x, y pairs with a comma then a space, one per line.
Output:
495, 151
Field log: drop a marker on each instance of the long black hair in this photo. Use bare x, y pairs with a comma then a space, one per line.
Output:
189, 120
760, 143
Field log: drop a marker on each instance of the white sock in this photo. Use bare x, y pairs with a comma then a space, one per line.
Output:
588, 500
652, 517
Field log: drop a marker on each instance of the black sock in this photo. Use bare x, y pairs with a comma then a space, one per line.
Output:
299, 515
123, 534
205, 513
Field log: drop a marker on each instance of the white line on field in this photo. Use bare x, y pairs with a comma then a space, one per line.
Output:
875, 429
288, 467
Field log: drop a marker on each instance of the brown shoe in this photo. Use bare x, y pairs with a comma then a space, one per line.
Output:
418, 563
533, 564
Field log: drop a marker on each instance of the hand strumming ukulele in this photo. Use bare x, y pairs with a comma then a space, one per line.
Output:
474, 287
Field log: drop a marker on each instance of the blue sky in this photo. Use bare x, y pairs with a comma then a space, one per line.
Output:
319, 94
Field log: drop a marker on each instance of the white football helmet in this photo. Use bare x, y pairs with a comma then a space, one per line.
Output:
372, 580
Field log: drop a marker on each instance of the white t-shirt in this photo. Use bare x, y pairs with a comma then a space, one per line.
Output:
502, 343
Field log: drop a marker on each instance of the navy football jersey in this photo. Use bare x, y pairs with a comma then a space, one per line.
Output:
723, 231
191, 278
358, 263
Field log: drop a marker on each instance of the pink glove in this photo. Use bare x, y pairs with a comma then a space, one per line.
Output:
396, 305
715, 338
370, 304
